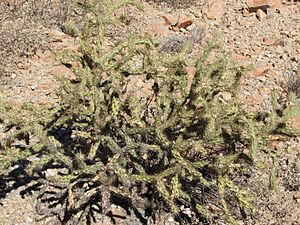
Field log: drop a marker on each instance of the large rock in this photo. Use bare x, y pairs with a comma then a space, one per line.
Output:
254, 5
215, 10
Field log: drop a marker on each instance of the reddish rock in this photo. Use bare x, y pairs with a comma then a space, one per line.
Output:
238, 57
215, 10
62, 70
273, 42
258, 71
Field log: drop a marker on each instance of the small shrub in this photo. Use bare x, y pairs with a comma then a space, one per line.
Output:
293, 86
172, 146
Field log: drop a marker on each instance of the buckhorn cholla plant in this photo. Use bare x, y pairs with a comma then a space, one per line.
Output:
168, 149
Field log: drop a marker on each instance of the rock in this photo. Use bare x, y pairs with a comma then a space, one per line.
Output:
215, 208
30, 220
261, 14
215, 10
183, 30
238, 57
196, 12
160, 28
15, 3
2, 136
296, 122
24, 66
45, 87
273, 42
197, 34
51, 173
256, 72
46, 56
171, 219
246, 13
118, 211
296, 195
275, 4
253, 101
271, 12
172, 44
187, 211
254, 5
191, 71
226, 96
223, 96
279, 42
61, 70
169, 20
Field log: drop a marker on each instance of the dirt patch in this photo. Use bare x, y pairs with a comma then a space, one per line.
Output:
25, 29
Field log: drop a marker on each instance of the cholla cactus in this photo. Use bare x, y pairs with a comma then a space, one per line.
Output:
175, 145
